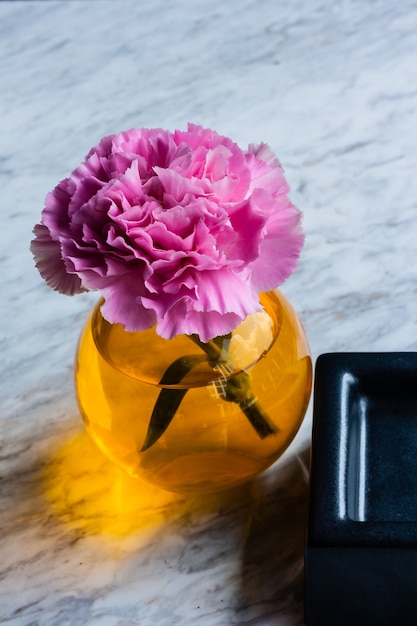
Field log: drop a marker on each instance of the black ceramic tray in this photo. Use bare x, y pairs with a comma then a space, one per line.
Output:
361, 545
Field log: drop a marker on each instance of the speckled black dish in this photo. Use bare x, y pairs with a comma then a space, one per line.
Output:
361, 544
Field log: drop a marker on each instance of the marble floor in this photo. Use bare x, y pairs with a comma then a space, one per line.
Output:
332, 87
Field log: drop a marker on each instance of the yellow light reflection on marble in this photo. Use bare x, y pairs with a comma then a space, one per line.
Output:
86, 490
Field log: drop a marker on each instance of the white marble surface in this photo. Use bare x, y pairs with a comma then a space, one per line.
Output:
332, 86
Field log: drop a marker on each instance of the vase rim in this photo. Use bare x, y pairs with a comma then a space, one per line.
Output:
115, 345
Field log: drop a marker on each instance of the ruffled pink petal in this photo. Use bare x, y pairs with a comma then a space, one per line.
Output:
279, 250
55, 214
177, 187
236, 182
206, 325
51, 266
126, 190
248, 219
266, 171
210, 295
123, 304
225, 291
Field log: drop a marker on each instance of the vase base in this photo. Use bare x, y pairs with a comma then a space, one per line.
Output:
205, 472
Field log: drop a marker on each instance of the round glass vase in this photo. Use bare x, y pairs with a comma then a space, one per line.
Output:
232, 413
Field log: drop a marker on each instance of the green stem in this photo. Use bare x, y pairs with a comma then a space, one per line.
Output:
238, 388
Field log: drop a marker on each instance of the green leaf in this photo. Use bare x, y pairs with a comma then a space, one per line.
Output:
169, 399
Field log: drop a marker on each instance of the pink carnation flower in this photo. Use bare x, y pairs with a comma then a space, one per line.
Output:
181, 229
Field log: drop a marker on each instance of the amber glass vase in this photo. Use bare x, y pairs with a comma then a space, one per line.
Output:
213, 442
